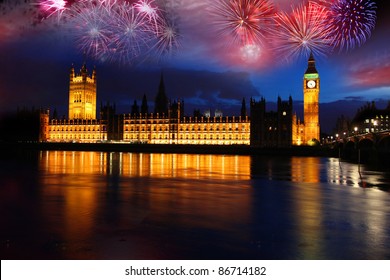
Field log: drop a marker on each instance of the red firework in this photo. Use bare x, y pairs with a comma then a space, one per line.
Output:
243, 21
303, 31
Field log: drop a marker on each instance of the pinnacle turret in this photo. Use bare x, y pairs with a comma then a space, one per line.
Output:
311, 65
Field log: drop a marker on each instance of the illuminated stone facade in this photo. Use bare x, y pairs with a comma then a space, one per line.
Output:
77, 130
298, 131
82, 124
187, 130
168, 125
311, 91
82, 95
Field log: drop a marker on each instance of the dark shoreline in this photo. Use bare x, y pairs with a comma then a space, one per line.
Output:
172, 148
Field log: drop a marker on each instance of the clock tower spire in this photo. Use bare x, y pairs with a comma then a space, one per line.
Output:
311, 91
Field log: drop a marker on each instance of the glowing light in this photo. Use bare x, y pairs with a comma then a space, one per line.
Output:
250, 53
244, 21
122, 31
131, 36
50, 7
90, 25
303, 31
168, 36
149, 8
350, 22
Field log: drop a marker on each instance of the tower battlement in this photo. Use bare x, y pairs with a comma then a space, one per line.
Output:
82, 94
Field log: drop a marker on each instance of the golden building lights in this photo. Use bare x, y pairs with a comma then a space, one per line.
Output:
263, 129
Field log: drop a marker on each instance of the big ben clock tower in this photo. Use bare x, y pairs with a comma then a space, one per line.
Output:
311, 91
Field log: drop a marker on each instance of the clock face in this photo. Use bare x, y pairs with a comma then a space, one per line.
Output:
311, 84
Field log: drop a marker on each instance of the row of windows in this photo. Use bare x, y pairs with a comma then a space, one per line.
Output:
165, 121
377, 120
81, 128
78, 115
78, 97
212, 128
75, 136
75, 122
203, 142
193, 136
165, 128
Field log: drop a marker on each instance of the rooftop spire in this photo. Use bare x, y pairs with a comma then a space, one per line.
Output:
161, 101
311, 65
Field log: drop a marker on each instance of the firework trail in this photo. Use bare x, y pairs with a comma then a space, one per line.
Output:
125, 31
148, 8
91, 26
122, 31
132, 34
303, 31
245, 22
350, 22
50, 7
168, 36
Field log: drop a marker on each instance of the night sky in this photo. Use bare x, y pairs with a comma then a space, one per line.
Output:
205, 71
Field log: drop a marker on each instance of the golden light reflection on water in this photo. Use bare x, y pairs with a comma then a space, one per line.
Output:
71, 162
307, 198
190, 191
152, 165
91, 196
305, 169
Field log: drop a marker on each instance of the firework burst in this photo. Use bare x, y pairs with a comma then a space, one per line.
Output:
49, 8
168, 36
127, 31
303, 31
122, 31
243, 21
91, 25
132, 34
351, 22
149, 8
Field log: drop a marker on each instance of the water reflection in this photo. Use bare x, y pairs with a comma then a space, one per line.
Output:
315, 170
345, 173
171, 192
305, 169
151, 165
98, 205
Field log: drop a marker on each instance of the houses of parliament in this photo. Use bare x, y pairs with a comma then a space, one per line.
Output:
168, 124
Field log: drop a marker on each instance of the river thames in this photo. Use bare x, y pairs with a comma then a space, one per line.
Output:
102, 205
